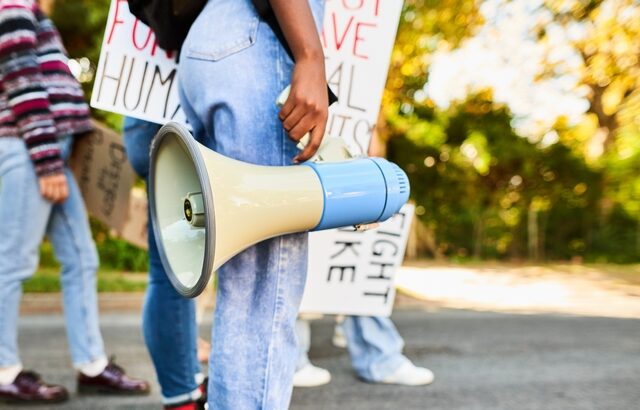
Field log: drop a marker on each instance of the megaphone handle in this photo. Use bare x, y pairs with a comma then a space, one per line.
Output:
331, 149
282, 98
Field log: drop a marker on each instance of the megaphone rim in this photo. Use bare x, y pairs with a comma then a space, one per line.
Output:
188, 142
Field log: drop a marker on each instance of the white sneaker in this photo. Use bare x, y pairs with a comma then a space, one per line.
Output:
338, 338
410, 375
311, 376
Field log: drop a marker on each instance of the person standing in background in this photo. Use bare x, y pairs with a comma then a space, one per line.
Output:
168, 319
375, 348
41, 108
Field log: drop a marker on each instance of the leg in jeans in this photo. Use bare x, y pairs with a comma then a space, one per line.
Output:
70, 234
231, 71
303, 333
168, 319
374, 345
23, 219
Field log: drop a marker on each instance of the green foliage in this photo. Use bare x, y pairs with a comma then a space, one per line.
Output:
48, 280
483, 191
81, 24
117, 254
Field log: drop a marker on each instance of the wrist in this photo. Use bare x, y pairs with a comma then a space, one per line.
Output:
310, 54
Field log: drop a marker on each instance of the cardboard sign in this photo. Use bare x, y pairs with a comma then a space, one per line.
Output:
353, 272
136, 78
134, 230
99, 163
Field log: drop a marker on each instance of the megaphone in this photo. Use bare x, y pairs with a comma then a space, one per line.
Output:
206, 208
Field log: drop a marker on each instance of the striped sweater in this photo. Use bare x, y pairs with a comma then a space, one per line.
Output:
40, 99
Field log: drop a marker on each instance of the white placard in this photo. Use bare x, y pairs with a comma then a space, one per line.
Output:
135, 77
358, 37
353, 272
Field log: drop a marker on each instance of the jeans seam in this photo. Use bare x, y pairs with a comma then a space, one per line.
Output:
275, 324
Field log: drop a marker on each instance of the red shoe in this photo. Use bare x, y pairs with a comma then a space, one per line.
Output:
192, 405
112, 380
199, 404
28, 387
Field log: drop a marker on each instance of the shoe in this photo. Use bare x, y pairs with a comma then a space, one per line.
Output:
204, 387
199, 404
338, 338
112, 380
190, 405
311, 376
28, 387
410, 375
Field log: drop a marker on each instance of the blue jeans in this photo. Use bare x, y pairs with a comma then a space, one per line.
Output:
25, 216
168, 319
231, 71
374, 344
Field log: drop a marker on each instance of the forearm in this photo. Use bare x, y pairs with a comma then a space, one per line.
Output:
299, 28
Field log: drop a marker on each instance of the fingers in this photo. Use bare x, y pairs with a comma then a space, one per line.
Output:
287, 108
45, 189
302, 127
292, 120
315, 140
64, 191
54, 188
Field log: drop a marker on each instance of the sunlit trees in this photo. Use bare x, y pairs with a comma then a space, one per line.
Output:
484, 190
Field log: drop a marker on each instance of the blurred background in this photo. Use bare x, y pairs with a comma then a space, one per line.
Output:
518, 124
516, 121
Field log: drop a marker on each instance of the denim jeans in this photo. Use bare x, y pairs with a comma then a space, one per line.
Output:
25, 216
232, 68
169, 322
374, 344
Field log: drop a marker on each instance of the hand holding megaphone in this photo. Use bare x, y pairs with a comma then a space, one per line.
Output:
331, 149
206, 208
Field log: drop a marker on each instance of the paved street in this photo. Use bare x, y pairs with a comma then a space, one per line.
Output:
481, 361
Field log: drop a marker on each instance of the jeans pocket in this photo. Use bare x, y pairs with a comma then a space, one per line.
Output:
224, 27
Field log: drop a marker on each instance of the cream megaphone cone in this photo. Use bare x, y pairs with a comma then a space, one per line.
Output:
206, 208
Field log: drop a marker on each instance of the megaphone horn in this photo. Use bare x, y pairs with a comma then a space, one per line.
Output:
206, 208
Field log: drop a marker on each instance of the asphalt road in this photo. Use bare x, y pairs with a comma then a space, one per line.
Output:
481, 361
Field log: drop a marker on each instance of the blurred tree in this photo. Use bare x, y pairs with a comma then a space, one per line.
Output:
481, 189
81, 24
425, 26
605, 34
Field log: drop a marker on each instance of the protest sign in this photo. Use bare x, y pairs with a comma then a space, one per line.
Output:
134, 230
134, 76
349, 272
358, 37
352, 272
99, 163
